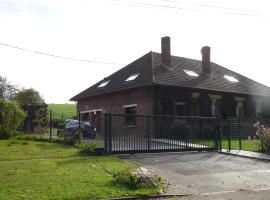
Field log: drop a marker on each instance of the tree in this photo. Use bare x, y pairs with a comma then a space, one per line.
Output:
7, 90
33, 104
11, 117
29, 97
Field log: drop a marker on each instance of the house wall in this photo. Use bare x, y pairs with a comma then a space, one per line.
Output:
166, 98
114, 102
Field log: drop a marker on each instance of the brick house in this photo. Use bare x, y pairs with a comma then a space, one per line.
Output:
162, 84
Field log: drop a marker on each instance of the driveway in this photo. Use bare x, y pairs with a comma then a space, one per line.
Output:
206, 172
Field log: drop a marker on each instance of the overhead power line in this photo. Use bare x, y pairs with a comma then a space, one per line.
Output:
58, 56
229, 11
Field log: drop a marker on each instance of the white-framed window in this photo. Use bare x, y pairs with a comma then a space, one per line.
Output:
215, 107
180, 108
240, 106
130, 114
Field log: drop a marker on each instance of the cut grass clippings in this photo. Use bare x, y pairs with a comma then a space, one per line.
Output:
39, 170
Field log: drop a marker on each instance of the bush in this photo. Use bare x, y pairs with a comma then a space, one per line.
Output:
11, 118
134, 180
64, 141
87, 148
58, 123
264, 134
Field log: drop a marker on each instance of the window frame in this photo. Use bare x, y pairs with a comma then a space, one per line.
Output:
130, 119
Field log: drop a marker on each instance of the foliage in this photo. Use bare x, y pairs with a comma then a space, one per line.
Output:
7, 90
65, 141
29, 97
228, 106
165, 97
264, 134
36, 116
205, 105
135, 181
58, 123
11, 117
87, 148
53, 171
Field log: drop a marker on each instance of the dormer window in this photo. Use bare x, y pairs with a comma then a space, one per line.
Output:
132, 77
103, 84
231, 79
190, 73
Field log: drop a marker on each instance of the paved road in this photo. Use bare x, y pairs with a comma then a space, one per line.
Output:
209, 172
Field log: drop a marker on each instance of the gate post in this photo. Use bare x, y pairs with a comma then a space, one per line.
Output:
218, 135
240, 136
108, 133
148, 133
229, 135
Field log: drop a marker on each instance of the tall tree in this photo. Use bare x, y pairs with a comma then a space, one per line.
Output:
7, 90
29, 97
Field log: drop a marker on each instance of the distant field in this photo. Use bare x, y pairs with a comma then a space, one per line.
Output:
63, 110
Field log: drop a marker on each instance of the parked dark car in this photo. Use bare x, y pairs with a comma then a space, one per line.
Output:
72, 127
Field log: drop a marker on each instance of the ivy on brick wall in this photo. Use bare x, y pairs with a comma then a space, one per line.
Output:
205, 105
165, 97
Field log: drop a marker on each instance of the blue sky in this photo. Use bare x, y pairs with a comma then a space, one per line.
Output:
121, 31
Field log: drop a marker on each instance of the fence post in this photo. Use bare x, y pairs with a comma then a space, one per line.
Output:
14, 121
148, 133
50, 123
240, 136
79, 119
229, 135
218, 135
107, 133
109, 128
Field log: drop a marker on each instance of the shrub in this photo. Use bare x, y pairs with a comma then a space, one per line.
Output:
87, 148
58, 123
135, 180
264, 134
65, 141
11, 118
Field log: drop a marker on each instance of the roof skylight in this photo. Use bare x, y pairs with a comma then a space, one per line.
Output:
231, 79
132, 77
103, 84
190, 73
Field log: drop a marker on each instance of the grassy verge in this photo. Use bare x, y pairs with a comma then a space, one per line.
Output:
63, 110
247, 145
39, 170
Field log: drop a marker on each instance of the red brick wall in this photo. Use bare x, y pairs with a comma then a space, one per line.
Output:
114, 102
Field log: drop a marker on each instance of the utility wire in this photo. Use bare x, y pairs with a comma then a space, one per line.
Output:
140, 4
209, 6
57, 56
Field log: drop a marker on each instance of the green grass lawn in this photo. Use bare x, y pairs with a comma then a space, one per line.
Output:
247, 145
40, 170
65, 110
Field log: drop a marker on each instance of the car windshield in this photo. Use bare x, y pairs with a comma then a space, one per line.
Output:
74, 123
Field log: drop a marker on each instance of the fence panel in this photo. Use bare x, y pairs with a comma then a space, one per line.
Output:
144, 133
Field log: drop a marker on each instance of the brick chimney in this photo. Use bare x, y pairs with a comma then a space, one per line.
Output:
166, 51
206, 63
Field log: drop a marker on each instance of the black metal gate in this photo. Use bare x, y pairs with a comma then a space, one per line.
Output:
145, 133
234, 133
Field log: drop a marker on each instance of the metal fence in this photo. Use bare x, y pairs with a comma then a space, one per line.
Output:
239, 133
144, 133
